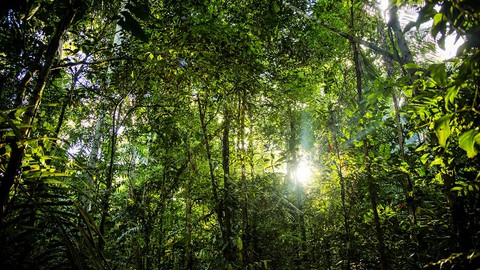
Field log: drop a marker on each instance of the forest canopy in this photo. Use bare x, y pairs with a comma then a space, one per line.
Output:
249, 134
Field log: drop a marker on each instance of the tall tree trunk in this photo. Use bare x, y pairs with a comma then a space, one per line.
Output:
346, 223
67, 100
227, 200
243, 181
401, 42
406, 182
369, 177
301, 230
14, 164
460, 223
299, 226
218, 204
292, 148
188, 225
109, 179
372, 190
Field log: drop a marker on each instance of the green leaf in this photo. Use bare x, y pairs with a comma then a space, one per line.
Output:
438, 18
467, 142
451, 94
438, 161
442, 129
439, 24
424, 158
421, 148
411, 65
239, 243
477, 138
438, 74
276, 8
358, 143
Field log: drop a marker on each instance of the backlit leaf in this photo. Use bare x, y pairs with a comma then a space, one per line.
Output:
442, 129
467, 142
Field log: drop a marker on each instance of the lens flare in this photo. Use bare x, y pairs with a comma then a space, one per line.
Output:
303, 172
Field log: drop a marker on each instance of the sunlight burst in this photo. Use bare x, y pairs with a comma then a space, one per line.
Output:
303, 172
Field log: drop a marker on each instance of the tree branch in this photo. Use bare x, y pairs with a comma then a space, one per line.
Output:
91, 63
339, 32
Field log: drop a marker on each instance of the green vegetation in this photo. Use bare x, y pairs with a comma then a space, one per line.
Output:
162, 134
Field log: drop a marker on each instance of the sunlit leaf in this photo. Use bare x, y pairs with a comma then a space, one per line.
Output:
437, 161
411, 65
442, 129
439, 26
467, 142
451, 94
239, 243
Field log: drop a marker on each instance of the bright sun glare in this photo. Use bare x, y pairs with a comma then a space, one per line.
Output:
303, 172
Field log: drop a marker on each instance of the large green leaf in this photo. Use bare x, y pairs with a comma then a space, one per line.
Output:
438, 74
467, 142
442, 129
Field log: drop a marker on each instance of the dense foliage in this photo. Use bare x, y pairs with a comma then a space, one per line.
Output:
161, 134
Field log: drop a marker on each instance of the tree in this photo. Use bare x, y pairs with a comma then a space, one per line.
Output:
171, 135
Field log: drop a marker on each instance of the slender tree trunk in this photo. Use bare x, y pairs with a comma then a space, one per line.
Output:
14, 165
372, 190
302, 233
299, 225
389, 65
394, 24
188, 226
243, 181
109, 180
369, 178
96, 142
406, 183
218, 205
460, 223
292, 148
346, 223
227, 201
24, 83
66, 102
401, 43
